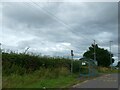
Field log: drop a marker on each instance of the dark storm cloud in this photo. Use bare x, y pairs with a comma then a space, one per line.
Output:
59, 27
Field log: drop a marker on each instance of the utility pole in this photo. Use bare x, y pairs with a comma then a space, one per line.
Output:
72, 61
0, 48
110, 55
93, 70
94, 52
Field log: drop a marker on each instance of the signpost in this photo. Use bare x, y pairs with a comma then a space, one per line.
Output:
72, 61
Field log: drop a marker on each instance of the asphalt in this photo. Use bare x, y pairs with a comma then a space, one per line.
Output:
105, 81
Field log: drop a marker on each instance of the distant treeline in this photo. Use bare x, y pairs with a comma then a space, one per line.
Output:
20, 63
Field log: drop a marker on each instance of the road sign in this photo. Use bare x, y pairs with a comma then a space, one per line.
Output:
72, 53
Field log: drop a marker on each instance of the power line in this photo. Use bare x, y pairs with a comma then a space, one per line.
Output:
55, 17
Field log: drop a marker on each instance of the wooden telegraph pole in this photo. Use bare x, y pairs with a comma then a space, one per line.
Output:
110, 54
94, 51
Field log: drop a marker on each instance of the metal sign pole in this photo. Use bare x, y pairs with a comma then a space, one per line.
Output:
72, 61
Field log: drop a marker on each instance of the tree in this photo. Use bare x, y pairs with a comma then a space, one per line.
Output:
102, 55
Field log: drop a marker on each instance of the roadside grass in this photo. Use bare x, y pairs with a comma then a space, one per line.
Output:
29, 81
56, 78
105, 70
60, 82
36, 81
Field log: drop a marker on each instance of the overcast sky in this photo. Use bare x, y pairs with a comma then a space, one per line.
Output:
56, 28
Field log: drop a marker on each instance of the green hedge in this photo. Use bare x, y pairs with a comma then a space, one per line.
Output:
25, 63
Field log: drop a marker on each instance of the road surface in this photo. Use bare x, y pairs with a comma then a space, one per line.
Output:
105, 81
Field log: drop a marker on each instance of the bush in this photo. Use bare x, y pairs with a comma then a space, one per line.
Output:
24, 64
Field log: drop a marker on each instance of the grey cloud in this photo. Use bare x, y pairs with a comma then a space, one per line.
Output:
74, 23
28, 16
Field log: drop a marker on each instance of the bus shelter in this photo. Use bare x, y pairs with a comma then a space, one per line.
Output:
88, 67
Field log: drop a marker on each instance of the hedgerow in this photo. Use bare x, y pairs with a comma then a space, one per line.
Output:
20, 63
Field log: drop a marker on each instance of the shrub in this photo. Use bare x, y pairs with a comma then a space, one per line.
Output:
25, 63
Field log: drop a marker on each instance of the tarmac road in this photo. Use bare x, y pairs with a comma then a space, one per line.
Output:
105, 81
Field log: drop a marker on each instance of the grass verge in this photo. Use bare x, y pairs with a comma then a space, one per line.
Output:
16, 81
29, 81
